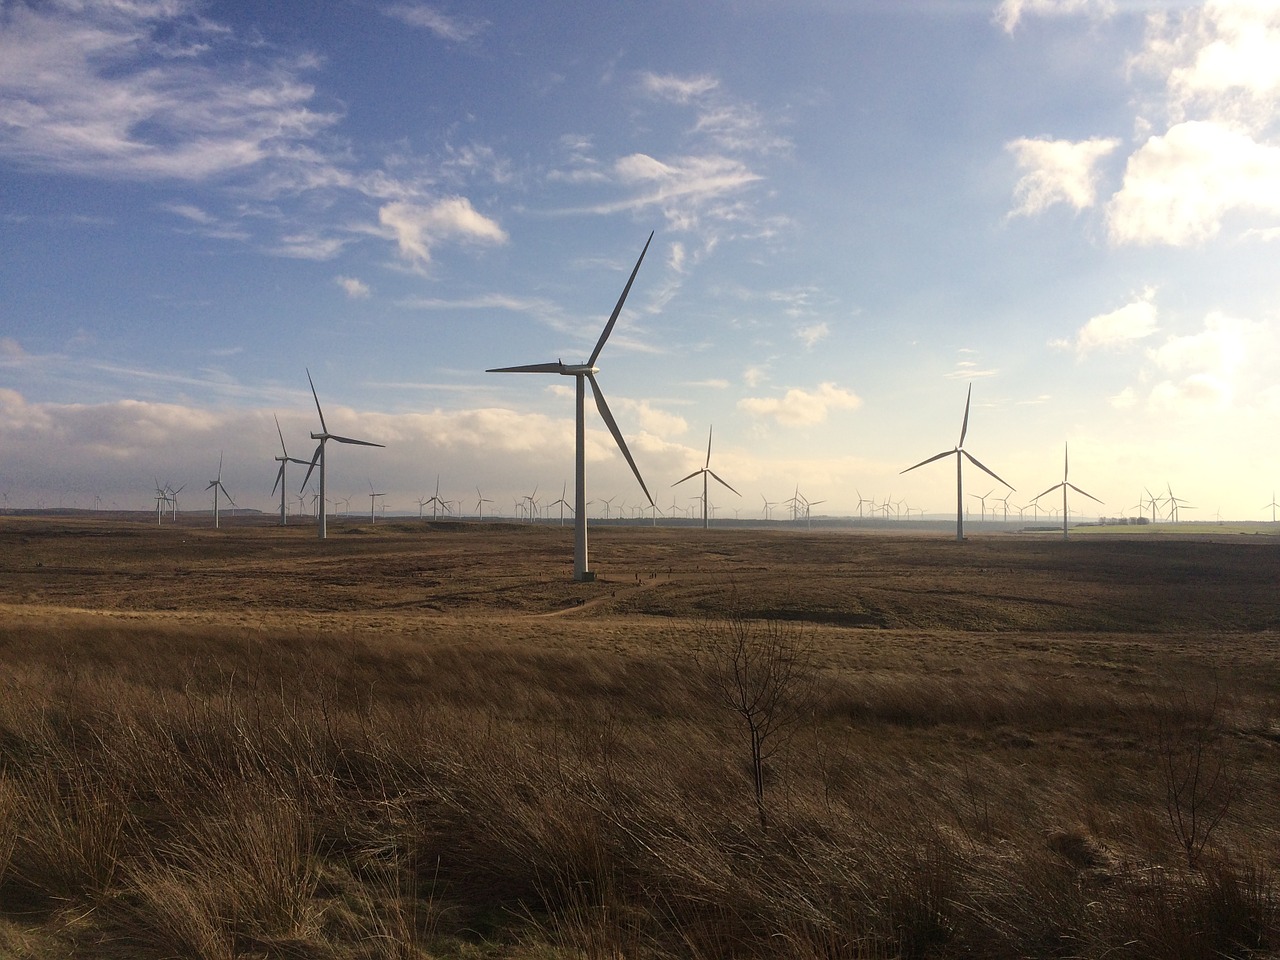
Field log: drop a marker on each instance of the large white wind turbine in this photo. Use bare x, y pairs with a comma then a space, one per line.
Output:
961, 454
282, 460
218, 489
318, 457
706, 471
1064, 485
583, 372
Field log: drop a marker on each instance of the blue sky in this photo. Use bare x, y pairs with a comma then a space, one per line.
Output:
859, 209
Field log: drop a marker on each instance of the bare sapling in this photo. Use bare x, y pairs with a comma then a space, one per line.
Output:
763, 671
1201, 772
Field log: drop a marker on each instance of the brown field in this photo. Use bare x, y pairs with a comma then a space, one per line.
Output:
423, 740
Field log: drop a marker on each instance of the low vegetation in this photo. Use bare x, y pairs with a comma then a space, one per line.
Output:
609, 785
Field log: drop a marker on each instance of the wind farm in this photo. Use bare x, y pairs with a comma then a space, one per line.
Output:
759, 716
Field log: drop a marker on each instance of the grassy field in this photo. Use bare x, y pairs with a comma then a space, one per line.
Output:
424, 740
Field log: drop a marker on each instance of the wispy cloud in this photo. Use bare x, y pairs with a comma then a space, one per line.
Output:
353, 287
416, 227
681, 90
1011, 12
87, 89
813, 334
443, 25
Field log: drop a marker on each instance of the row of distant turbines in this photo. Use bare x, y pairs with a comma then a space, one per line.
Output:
584, 374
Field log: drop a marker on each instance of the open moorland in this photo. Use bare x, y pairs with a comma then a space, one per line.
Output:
423, 740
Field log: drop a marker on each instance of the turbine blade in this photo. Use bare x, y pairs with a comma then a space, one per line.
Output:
1090, 495
986, 469
219, 466
279, 477
1050, 490
281, 433
1064, 463
721, 482
323, 428
603, 407
708, 463
938, 456
315, 458
683, 479
613, 318
964, 425
227, 495
363, 443
556, 367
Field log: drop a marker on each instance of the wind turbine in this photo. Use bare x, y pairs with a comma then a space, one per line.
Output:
324, 436
282, 460
162, 500
961, 454
435, 500
562, 502
1273, 506
373, 496
583, 372
481, 502
217, 488
1175, 503
172, 499
768, 505
983, 500
707, 471
1064, 485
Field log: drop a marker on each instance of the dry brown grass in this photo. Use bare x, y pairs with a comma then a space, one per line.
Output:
202, 754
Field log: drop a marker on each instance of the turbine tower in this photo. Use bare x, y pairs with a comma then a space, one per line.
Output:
282, 460
583, 372
1064, 485
961, 454
318, 457
218, 489
705, 471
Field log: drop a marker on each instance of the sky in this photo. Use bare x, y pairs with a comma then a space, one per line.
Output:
860, 210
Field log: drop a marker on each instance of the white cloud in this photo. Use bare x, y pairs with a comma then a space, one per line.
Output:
801, 407
1057, 171
680, 90
1221, 60
455, 29
1178, 187
813, 334
87, 89
11, 349
651, 419
753, 376
1011, 12
1119, 327
354, 288
416, 227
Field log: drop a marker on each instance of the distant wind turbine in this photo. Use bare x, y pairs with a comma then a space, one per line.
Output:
373, 497
318, 458
282, 460
706, 471
218, 489
582, 373
1065, 484
562, 502
961, 454
480, 502
1273, 506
